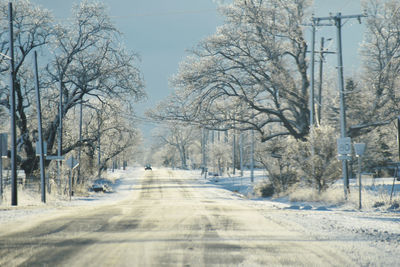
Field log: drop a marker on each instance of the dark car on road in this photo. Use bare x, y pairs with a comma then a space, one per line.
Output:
147, 167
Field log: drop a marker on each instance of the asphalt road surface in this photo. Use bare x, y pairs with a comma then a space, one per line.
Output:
169, 220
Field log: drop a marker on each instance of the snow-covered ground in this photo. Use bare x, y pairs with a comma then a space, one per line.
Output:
29, 201
369, 229
376, 193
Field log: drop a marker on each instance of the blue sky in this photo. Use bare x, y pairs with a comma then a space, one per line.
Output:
162, 30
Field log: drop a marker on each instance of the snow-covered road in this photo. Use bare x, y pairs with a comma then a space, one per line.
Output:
171, 218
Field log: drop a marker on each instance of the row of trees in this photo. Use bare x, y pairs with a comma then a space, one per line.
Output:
83, 57
252, 74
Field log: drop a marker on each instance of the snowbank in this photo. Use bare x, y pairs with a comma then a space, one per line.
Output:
29, 201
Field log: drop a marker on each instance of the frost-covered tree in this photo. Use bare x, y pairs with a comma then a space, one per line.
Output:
373, 97
109, 125
251, 72
272, 155
179, 136
381, 66
315, 160
89, 63
32, 30
85, 59
219, 151
312, 162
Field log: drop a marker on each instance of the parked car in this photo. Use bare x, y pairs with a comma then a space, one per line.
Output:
147, 167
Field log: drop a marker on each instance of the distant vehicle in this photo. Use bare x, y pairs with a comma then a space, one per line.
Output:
147, 167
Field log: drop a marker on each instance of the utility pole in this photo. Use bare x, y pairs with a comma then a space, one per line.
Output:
14, 191
3, 154
311, 100
234, 149
204, 151
80, 142
60, 111
241, 152
315, 22
98, 145
311, 104
359, 150
212, 148
398, 136
41, 147
226, 140
343, 131
321, 63
60, 132
252, 157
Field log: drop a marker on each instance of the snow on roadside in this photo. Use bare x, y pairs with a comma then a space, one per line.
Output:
369, 230
29, 203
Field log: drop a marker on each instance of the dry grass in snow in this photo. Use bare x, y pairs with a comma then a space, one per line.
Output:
373, 196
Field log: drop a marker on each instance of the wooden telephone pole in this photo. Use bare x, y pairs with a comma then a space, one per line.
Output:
343, 131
